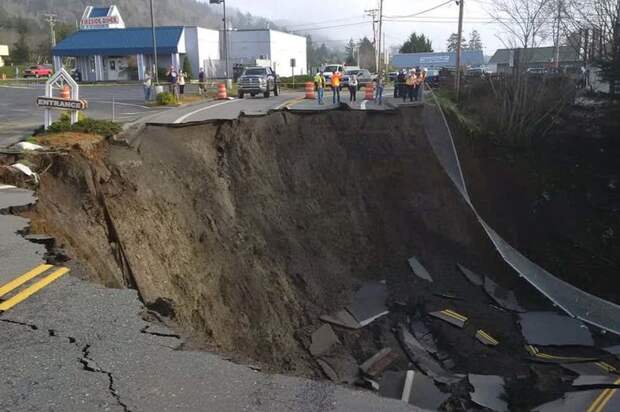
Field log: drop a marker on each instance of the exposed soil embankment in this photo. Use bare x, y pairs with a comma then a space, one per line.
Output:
251, 229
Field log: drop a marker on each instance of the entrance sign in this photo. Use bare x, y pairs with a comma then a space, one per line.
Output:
57, 103
61, 80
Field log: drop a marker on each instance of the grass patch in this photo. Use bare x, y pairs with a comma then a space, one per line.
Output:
447, 102
104, 128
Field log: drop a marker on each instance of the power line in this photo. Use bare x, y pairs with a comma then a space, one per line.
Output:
422, 12
331, 27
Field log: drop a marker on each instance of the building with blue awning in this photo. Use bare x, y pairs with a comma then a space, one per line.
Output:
469, 58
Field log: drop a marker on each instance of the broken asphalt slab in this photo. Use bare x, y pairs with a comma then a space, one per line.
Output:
341, 318
422, 359
488, 391
503, 297
419, 270
451, 317
419, 390
593, 374
553, 329
369, 303
605, 400
11, 196
376, 364
472, 277
322, 340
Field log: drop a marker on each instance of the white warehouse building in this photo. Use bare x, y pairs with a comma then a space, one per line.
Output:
279, 48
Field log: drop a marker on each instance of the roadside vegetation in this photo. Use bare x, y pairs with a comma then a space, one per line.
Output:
103, 128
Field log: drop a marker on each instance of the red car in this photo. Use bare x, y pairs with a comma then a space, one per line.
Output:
38, 71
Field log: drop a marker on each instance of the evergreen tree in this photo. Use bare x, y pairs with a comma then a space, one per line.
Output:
349, 50
453, 42
21, 50
417, 43
475, 41
367, 54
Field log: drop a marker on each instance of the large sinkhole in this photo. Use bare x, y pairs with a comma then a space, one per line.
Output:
247, 231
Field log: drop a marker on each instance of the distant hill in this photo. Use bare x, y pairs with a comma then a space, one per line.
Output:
134, 12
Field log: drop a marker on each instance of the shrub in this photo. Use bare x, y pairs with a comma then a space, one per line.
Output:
103, 128
166, 98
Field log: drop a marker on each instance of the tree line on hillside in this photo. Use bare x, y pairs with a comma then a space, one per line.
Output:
419, 43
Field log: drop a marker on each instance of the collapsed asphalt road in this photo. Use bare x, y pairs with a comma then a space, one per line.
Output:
315, 245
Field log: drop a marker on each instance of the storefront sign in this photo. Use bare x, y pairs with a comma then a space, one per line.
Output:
99, 21
434, 59
57, 103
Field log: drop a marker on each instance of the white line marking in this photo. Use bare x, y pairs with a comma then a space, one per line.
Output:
363, 104
116, 103
406, 394
185, 116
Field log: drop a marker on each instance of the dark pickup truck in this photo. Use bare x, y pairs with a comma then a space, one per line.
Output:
257, 80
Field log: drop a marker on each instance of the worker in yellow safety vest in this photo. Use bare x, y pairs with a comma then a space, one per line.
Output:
319, 83
410, 82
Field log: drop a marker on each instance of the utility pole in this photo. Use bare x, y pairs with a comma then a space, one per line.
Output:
226, 45
373, 13
155, 66
381, 45
51, 20
458, 51
557, 36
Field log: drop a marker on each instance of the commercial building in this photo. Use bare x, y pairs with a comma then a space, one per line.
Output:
469, 58
279, 48
4, 52
105, 50
535, 58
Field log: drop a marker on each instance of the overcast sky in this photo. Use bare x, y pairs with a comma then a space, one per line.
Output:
321, 13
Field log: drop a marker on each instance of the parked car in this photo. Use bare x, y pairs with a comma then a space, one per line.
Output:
255, 80
432, 78
536, 70
475, 72
38, 70
364, 78
392, 76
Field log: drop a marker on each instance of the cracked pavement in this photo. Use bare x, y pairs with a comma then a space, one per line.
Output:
77, 345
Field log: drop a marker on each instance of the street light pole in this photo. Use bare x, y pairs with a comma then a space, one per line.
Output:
225, 44
154, 45
458, 51
381, 45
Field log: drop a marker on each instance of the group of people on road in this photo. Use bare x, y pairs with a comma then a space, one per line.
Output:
175, 79
336, 85
410, 84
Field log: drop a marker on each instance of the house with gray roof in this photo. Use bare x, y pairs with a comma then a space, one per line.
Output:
535, 58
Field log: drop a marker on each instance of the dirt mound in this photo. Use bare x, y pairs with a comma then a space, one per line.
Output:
249, 230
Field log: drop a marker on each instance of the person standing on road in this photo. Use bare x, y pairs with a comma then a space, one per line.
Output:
319, 82
201, 82
173, 77
379, 91
147, 83
182, 76
336, 77
409, 86
353, 87
399, 87
421, 82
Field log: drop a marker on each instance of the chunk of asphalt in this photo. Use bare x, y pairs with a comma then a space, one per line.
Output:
488, 391
592, 401
474, 278
553, 329
369, 303
486, 339
594, 373
423, 334
419, 270
418, 355
379, 362
391, 385
544, 357
342, 318
339, 365
614, 350
419, 390
322, 340
450, 316
504, 298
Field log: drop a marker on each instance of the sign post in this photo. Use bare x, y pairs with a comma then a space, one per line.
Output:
293, 64
69, 98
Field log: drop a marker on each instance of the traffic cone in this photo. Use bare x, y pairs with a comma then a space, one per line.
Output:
369, 92
221, 92
309, 90
65, 93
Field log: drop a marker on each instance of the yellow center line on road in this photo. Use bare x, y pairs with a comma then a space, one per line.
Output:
455, 315
289, 102
6, 288
602, 399
31, 290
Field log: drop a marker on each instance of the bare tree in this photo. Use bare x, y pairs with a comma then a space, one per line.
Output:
526, 22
